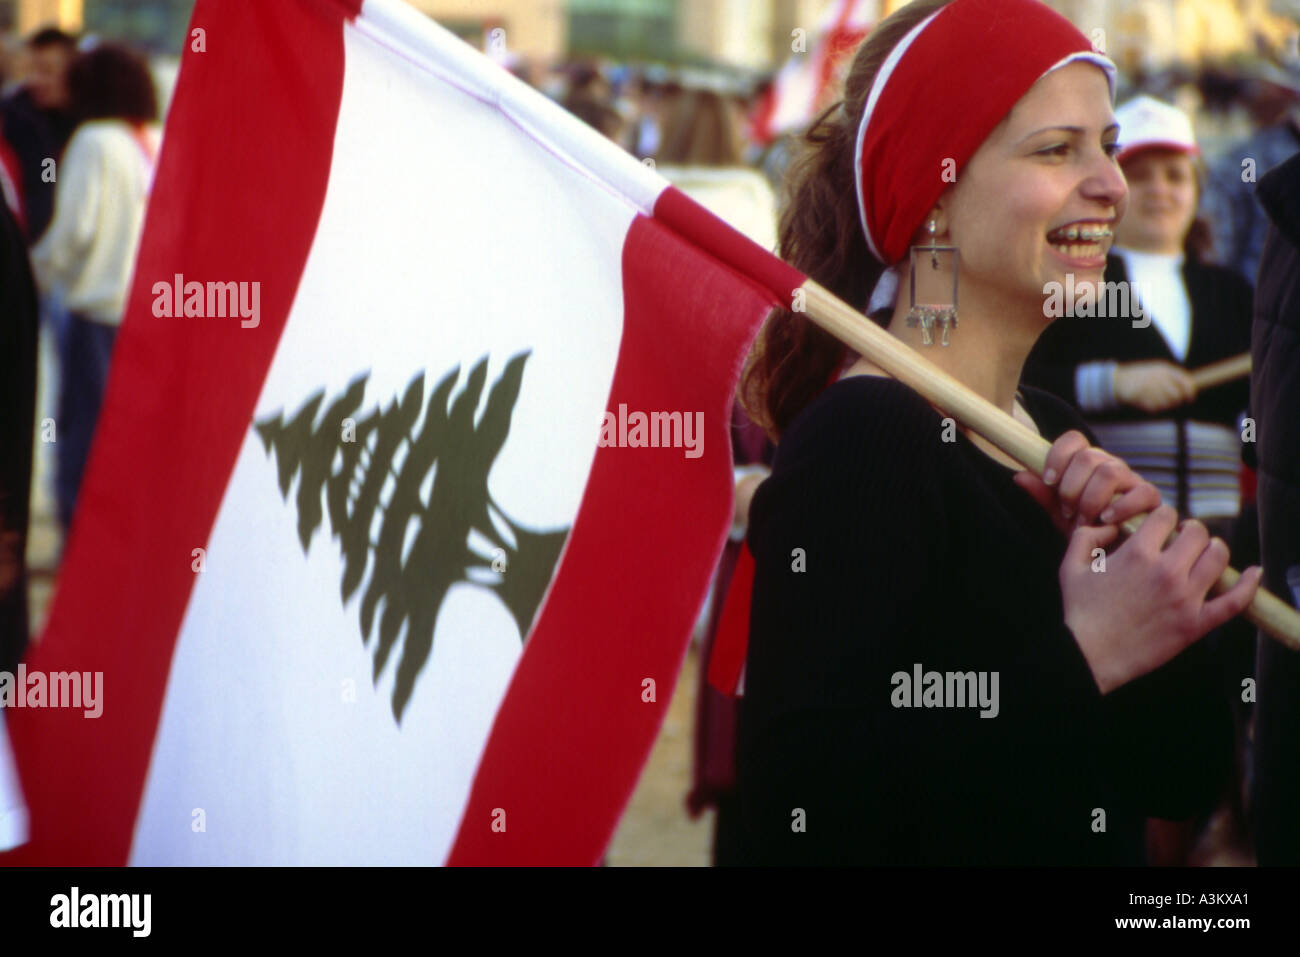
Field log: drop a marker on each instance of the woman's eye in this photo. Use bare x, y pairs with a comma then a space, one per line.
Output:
1061, 149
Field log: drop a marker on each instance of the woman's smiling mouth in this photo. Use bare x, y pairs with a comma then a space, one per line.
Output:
1082, 243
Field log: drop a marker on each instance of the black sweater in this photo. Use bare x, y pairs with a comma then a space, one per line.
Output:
921, 551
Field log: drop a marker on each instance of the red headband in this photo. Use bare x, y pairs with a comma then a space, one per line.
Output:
938, 96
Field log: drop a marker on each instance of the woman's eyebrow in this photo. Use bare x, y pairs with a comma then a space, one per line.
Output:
1079, 130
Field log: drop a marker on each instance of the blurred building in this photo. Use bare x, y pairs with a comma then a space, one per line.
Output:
28, 15
751, 34
534, 29
156, 26
1152, 35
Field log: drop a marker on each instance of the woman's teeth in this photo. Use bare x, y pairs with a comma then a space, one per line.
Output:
1080, 242
1079, 250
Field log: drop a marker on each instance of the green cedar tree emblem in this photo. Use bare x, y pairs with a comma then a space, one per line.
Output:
350, 468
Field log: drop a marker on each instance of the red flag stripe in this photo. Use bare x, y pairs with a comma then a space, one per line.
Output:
692, 221
731, 643
615, 616
241, 182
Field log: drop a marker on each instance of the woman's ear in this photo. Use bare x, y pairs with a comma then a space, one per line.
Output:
940, 219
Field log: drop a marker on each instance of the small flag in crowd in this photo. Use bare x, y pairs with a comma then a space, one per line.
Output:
412, 472
809, 79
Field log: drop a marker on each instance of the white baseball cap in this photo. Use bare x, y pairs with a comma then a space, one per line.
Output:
1147, 123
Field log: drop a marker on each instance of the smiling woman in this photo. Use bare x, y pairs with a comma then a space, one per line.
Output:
884, 537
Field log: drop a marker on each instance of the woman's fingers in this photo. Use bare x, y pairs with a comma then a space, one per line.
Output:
1232, 602
1150, 537
1080, 482
1107, 479
1087, 538
1092, 479
1188, 545
1194, 557
1143, 497
1078, 474
1209, 565
1060, 454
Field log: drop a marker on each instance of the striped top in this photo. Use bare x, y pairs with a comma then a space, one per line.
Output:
1153, 448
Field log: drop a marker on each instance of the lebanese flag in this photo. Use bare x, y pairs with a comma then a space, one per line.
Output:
805, 85
397, 561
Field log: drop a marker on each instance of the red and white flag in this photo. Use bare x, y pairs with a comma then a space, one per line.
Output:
806, 83
412, 470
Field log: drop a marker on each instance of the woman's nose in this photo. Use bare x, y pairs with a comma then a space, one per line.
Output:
1106, 182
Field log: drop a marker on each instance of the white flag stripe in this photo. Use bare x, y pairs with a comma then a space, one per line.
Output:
13, 813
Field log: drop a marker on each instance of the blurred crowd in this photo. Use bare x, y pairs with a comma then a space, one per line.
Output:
79, 134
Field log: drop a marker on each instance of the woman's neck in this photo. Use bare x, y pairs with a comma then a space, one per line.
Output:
986, 350
986, 361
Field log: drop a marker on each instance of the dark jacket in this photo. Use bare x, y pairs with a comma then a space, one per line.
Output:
1220, 329
1221, 312
35, 135
18, 324
1275, 404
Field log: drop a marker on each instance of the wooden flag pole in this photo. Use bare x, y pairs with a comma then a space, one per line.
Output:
846, 324
1225, 370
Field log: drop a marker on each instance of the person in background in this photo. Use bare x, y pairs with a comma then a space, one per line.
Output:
18, 325
11, 183
1230, 196
37, 121
18, 349
650, 93
88, 251
598, 114
1275, 402
701, 153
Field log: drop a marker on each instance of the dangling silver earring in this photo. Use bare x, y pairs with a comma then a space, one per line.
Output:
945, 314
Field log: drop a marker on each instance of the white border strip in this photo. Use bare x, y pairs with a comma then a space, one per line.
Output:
877, 88
1107, 66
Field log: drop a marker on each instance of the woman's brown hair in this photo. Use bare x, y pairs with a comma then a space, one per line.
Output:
820, 234
112, 82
